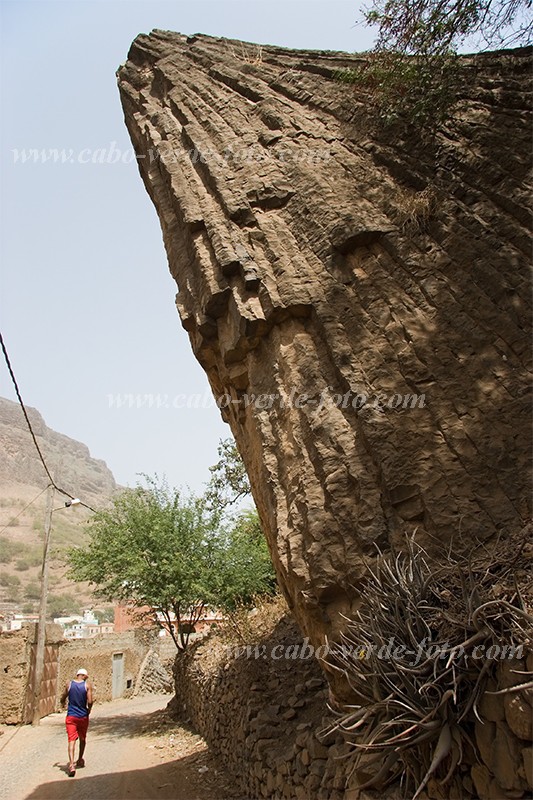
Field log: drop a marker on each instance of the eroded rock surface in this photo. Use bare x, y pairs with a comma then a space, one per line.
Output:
318, 264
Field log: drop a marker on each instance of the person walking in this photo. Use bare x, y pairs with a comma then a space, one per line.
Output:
79, 693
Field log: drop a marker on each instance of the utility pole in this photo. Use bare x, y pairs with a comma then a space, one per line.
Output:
41, 624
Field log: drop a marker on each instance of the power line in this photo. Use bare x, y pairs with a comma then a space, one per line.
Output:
23, 510
17, 390
10, 369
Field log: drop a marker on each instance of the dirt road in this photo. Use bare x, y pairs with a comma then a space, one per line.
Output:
135, 751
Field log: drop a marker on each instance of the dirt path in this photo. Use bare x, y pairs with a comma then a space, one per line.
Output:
135, 751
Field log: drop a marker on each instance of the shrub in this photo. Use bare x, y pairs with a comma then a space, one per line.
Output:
13, 594
62, 605
9, 580
9, 549
396, 87
32, 591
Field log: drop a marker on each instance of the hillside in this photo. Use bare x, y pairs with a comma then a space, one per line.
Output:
23, 484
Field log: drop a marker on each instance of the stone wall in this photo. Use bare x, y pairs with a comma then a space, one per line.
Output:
504, 735
262, 716
268, 719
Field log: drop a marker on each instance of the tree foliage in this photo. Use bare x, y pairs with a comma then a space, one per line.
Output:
229, 481
439, 27
169, 556
395, 87
246, 568
413, 72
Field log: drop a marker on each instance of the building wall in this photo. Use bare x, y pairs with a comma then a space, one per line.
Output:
14, 668
96, 656
127, 619
15, 657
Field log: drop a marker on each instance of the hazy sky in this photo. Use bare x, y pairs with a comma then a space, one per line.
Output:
86, 300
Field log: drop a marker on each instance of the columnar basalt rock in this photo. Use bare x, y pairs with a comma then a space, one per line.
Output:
320, 265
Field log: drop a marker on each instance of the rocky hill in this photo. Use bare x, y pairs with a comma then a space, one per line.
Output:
360, 300
23, 484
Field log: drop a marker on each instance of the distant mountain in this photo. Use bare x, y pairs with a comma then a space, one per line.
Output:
22, 478
70, 462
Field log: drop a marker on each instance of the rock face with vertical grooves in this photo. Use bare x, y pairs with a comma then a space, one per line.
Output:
359, 301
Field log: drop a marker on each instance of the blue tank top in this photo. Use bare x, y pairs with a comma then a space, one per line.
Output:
77, 700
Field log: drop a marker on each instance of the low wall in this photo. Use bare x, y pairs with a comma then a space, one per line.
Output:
262, 715
505, 734
266, 716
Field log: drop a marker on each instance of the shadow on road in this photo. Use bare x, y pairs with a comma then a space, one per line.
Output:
137, 724
177, 780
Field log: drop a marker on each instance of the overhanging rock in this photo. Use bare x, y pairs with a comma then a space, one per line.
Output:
359, 302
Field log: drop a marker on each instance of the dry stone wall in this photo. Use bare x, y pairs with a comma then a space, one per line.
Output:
268, 719
504, 735
319, 263
263, 716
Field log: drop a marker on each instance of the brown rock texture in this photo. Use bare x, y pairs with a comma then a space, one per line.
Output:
69, 460
320, 264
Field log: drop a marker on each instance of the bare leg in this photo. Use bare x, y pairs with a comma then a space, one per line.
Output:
71, 753
83, 742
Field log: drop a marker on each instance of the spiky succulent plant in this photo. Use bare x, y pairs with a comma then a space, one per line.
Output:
416, 658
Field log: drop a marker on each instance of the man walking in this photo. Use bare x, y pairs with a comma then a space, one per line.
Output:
80, 700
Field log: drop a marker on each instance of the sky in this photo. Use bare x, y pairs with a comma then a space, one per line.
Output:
86, 299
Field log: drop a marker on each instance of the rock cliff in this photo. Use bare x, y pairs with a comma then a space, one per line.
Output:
359, 300
20, 465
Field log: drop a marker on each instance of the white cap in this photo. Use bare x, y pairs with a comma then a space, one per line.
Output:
82, 672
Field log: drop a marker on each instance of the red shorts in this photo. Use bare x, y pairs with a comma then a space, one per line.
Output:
76, 728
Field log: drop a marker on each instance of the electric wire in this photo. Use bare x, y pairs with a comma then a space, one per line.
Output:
21, 403
11, 521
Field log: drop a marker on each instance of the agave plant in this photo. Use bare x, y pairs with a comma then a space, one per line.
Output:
411, 658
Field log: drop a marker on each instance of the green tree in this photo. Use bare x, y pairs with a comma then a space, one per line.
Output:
229, 481
105, 614
245, 567
413, 73
62, 605
164, 553
438, 27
